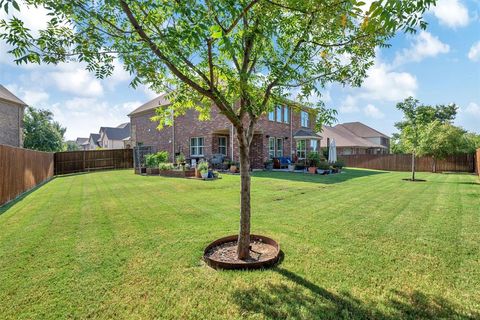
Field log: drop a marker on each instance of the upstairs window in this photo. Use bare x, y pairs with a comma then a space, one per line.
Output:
286, 114
196, 147
304, 119
271, 116
279, 113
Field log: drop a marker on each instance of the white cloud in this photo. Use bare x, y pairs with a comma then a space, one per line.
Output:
83, 116
452, 13
373, 112
74, 79
473, 109
31, 97
383, 84
424, 45
349, 105
474, 52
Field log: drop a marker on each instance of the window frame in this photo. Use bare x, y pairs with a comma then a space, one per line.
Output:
271, 152
271, 116
222, 146
197, 146
304, 119
286, 114
304, 150
279, 114
316, 145
279, 151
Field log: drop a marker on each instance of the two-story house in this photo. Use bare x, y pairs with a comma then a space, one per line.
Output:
114, 137
11, 118
284, 132
356, 138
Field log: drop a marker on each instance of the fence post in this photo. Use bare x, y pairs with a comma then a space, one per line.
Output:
84, 153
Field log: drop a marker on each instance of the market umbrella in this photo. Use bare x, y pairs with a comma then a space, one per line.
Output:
332, 152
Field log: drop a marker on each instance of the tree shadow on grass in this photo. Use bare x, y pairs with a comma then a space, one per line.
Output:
345, 175
299, 298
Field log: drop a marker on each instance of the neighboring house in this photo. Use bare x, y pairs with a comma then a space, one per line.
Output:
113, 138
356, 138
80, 142
11, 118
281, 133
92, 142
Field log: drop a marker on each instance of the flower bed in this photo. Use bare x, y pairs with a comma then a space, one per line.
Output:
177, 173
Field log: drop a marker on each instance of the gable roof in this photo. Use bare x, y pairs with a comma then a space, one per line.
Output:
94, 137
10, 97
306, 134
361, 130
345, 138
81, 141
161, 100
116, 133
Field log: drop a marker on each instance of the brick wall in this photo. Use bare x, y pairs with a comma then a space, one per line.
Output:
11, 122
188, 126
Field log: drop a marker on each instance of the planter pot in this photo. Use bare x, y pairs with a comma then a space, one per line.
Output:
204, 175
197, 173
233, 169
269, 167
291, 167
312, 170
320, 171
153, 171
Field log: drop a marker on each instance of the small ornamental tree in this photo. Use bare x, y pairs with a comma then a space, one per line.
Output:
41, 132
241, 56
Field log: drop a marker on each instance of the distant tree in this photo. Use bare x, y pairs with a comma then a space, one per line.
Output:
472, 142
440, 140
242, 57
41, 132
71, 146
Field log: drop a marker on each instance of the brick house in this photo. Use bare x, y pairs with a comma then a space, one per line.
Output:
282, 133
11, 118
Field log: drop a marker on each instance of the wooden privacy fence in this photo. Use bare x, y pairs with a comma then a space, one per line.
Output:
84, 161
22, 170
477, 162
403, 162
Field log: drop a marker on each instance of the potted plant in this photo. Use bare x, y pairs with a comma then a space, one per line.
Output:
234, 167
163, 166
202, 166
323, 167
313, 159
268, 165
181, 161
151, 162
338, 165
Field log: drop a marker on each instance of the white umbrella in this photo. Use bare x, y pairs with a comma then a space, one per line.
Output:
332, 152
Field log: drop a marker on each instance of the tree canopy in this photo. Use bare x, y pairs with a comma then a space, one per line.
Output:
240, 56
41, 132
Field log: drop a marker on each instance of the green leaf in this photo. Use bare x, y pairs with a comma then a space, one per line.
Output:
216, 32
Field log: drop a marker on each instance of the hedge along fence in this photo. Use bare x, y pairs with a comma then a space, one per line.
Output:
403, 162
22, 170
92, 160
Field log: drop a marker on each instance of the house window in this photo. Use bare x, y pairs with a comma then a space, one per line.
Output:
196, 146
304, 120
222, 145
286, 115
271, 147
279, 146
279, 113
301, 149
271, 116
314, 145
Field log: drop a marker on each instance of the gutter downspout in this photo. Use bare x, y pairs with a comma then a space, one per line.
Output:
291, 133
173, 137
231, 141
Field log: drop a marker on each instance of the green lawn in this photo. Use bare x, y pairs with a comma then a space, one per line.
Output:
363, 244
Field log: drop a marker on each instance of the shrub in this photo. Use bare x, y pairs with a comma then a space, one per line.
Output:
202, 166
165, 166
180, 158
323, 165
154, 159
339, 164
313, 159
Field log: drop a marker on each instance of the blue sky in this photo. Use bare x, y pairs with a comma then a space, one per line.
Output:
437, 66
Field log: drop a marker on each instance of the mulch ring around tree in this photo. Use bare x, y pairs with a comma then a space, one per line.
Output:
222, 253
416, 180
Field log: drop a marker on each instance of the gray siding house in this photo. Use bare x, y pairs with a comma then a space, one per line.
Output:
11, 118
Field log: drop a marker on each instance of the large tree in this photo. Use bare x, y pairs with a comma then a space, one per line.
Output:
240, 56
41, 132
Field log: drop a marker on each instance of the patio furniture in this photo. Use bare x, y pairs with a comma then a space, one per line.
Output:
282, 162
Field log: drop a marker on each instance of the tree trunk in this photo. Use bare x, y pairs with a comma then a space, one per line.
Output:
434, 169
243, 248
413, 166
